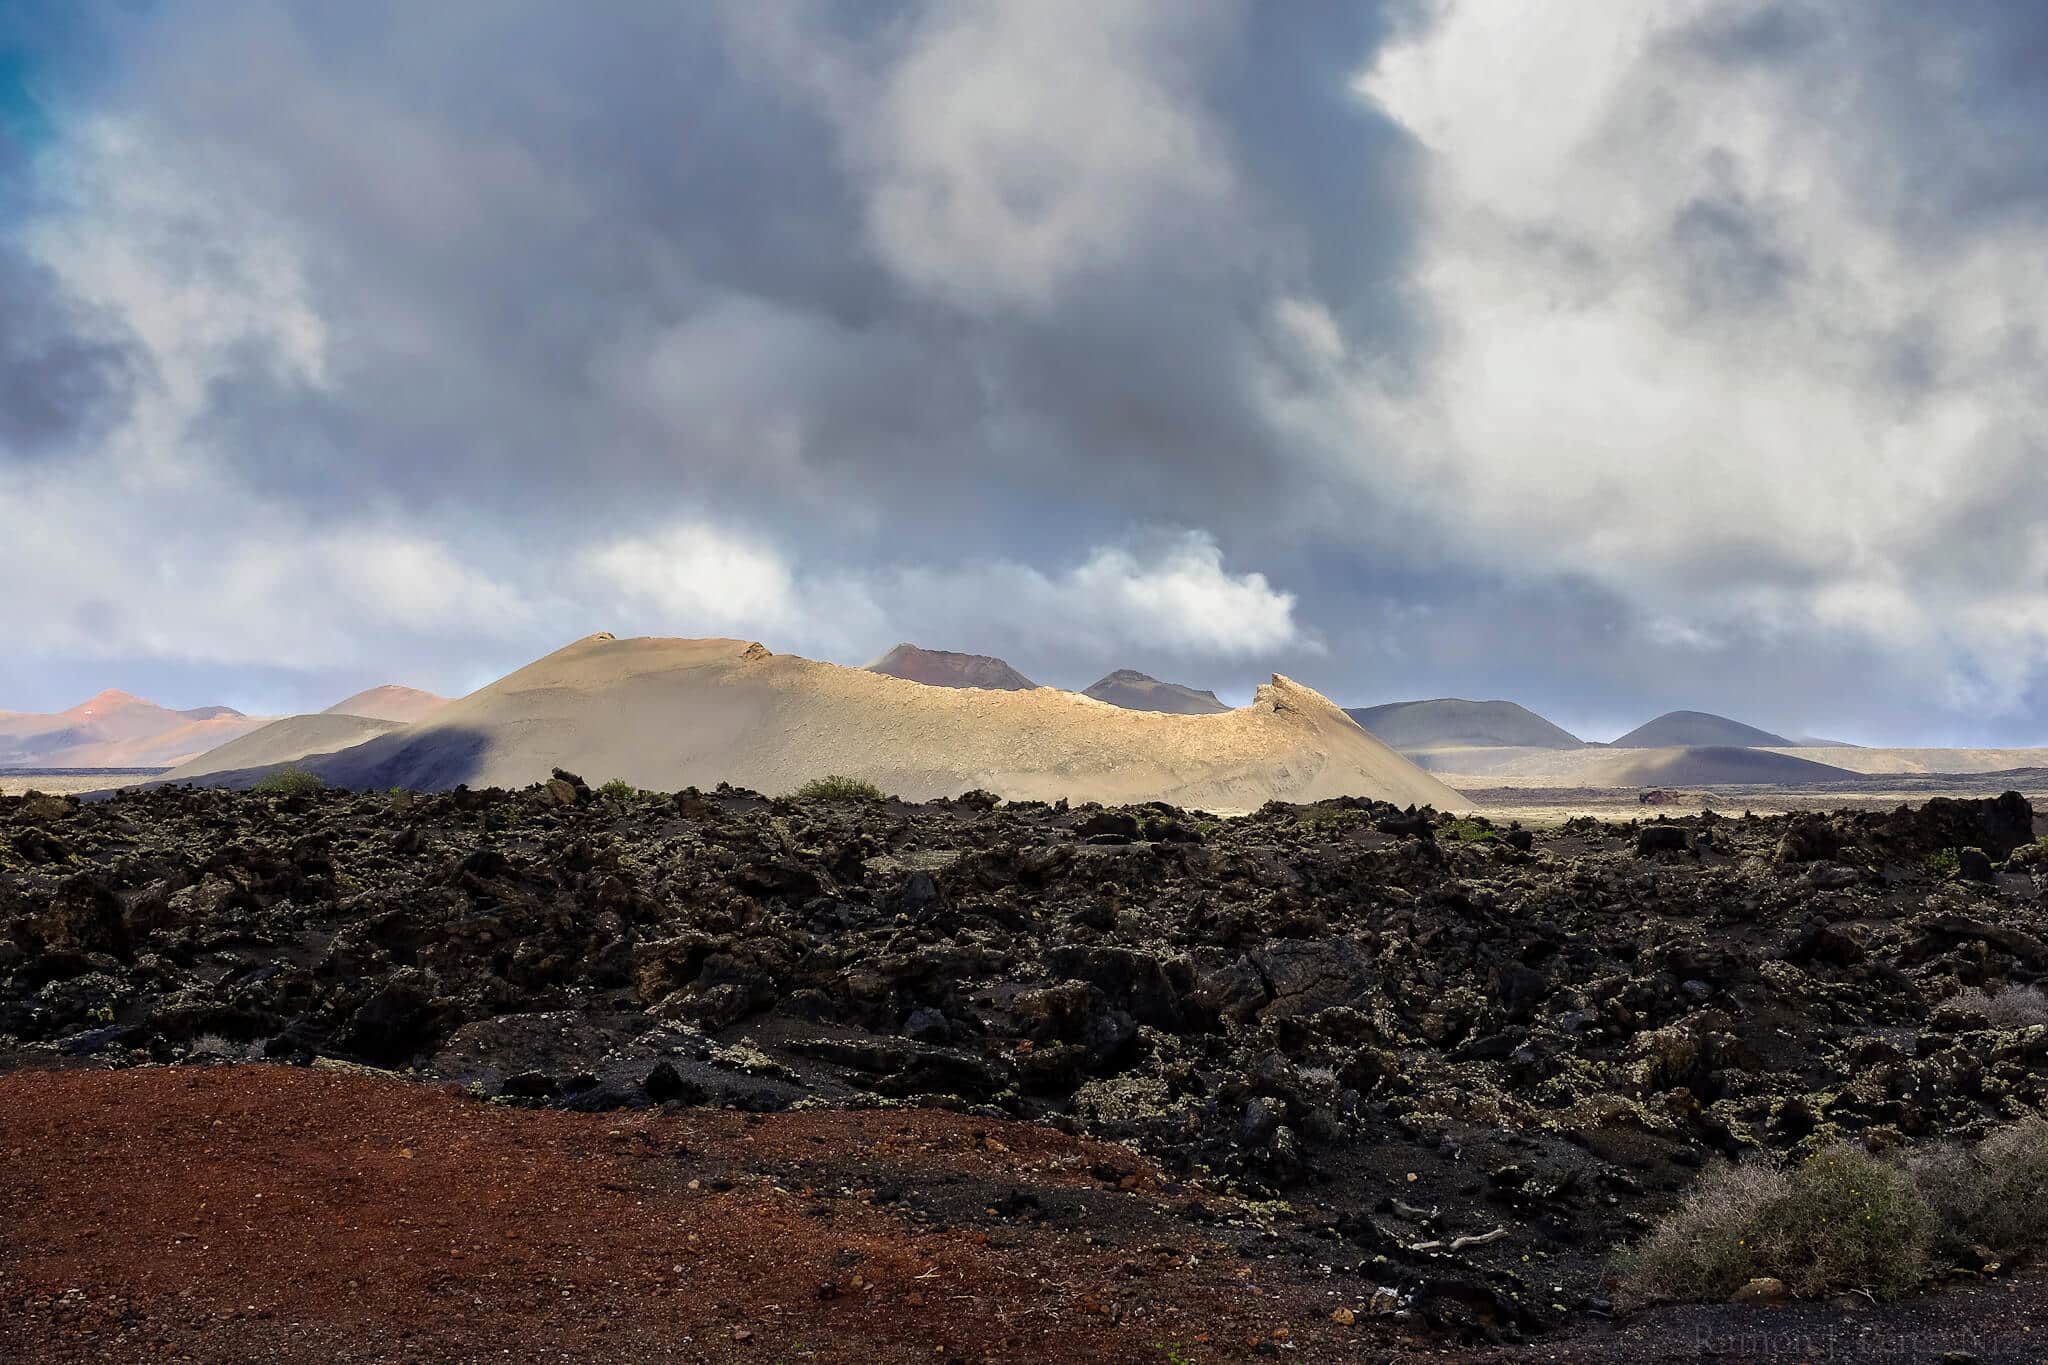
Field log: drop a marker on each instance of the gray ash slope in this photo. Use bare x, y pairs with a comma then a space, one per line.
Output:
1452, 722
284, 741
1722, 765
946, 668
1137, 691
1414, 1030
1687, 729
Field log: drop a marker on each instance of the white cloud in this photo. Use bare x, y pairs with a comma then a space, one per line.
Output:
698, 579
1670, 631
227, 577
1672, 318
1161, 592
205, 279
399, 578
1018, 145
1180, 599
1164, 592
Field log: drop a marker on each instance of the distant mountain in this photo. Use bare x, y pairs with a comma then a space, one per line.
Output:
1601, 766
1450, 722
943, 668
664, 714
367, 714
115, 714
389, 702
1135, 691
1710, 765
116, 730
285, 741
1692, 729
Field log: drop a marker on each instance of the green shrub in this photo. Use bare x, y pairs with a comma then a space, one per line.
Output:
1849, 1220
1706, 1248
1944, 866
1467, 830
620, 791
837, 788
1991, 1195
1841, 1220
291, 781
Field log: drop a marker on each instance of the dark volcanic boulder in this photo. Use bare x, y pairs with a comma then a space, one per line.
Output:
396, 1023
1996, 825
1973, 865
1107, 827
1307, 976
901, 1066
1232, 989
1290, 979
1820, 941
1660, 839
1149, 989
84, 917
777, 877
1808, 839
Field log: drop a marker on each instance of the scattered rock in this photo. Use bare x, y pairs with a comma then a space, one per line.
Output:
1652, 839
1764, 1289
1974, 865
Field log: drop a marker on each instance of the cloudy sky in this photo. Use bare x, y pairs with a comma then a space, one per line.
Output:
1609, 356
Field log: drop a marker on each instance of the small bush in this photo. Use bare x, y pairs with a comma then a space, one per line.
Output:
1944, 866
1328, 817
1991, 1195
1843, 1219
2008, 1007
1706, 1248
837, 788
291, 781
1466, 830
1849, 1220
619, 790
214, 1045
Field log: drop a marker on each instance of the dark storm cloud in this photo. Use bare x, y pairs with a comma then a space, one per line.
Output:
1767, 34
1728, 255
639, 253
65, 373
1941, 105
61, 379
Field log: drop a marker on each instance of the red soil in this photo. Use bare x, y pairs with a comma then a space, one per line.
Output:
267, 1213
272, 1214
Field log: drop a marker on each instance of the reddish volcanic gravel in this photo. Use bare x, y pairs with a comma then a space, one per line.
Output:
266, 1213
271, 1213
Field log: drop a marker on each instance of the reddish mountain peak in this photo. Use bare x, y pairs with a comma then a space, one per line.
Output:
944, 668
113, 699
390, 702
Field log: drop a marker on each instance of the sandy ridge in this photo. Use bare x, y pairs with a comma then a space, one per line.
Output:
665, 713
